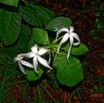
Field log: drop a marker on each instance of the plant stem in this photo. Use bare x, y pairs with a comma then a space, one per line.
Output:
48, 94
40, 94
59, 38
2, 87
2, 63
7, 56
46, 85
10, 76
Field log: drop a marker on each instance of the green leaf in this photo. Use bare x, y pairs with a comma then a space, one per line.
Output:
40, 36
44, 14
95, 34
101, 89
24, 38
25, 30
12, 51
76, 50
32, 76
30, 16
100, 23
30, 44
10, 25
79, 50
58, 23
10, 2
69, 72
6, 57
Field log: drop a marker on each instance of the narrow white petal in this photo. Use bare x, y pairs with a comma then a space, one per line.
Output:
21, 68
34, 49
77, 43
25, 63
71, 29
43, 62
28, 55
76, 37
42, 51
35, 63
60, 31
49, 58
71, 42
64, 39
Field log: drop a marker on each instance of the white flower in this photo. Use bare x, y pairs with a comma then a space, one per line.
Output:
68, 35
22, 62
36, 55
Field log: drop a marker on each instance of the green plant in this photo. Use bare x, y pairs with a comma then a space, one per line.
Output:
25, 25
99, 21
5, 84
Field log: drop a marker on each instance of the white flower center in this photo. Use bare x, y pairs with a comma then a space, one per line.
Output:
36, 54
20, 57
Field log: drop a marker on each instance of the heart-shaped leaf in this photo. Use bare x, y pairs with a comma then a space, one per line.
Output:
10, 2
44, 14
32, 76
30, 16
10, 25
40, 36
79, 50
58, 23
24, 38
76, 50
69, 72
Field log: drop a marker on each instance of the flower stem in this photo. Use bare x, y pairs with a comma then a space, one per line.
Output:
59, 38
7, 56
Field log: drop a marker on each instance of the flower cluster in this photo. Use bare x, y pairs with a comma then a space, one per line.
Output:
68, 35
37, 52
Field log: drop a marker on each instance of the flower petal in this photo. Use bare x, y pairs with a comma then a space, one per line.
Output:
16, 59
35, 63
19, 57
42, 51
21, 67
71, 29
76, 37
26, 64
60, 31
34, 49
28, 55
71, 42
49, 58
64, 39
43, 62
